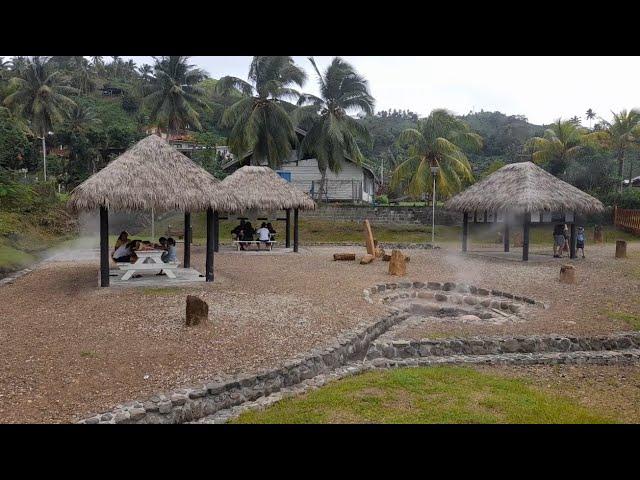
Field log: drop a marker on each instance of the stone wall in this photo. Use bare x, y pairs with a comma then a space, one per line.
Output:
382, 215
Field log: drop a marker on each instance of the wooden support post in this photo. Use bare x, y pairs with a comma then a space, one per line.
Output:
288, 228
187, 240
104, 247
525, 236
216, 231
295, 229
210, 239
505, 236
572, 242
465, 230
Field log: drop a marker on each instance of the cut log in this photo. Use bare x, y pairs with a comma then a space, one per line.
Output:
621, 249
379, 252
344, 256
568, 274
368, 238
366, 259
397, 264
197, 311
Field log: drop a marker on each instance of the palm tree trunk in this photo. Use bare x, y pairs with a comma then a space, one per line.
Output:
621, 167
44, 155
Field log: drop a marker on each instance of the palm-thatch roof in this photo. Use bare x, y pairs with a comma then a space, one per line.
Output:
523, 187
151, 174
260, 188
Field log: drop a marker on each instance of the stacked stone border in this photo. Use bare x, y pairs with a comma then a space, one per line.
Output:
355, 352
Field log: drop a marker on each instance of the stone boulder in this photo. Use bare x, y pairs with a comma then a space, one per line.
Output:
397, 264
197, 311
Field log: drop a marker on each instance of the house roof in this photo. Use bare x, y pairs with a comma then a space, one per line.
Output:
151, 174
523, 187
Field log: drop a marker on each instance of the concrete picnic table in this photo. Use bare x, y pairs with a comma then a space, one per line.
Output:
149, 260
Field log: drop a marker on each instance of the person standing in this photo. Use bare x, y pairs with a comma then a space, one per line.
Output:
558, 240
580, 239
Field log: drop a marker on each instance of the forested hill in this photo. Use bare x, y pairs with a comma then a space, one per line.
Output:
503, 136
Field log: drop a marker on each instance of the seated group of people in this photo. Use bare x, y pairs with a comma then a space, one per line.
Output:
246, 233
125, 249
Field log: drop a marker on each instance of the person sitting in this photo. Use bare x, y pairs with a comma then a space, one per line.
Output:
272, 231
247, 233
264, 235
123, 239
162, 243
237, 231
123, 253
171, 255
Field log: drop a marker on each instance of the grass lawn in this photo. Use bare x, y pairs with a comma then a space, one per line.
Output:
13, 259
426, 395
325, 231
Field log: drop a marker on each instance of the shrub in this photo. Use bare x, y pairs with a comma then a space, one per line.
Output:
629, 198
383, 200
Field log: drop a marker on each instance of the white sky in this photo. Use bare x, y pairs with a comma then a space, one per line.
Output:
541, 88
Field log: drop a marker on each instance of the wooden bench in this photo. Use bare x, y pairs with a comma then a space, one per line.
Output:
257, 242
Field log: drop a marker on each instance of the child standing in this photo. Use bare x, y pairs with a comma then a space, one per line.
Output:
580, 238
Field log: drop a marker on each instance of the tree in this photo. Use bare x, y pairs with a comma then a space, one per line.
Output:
82, 118
622, 135
14, 143
40, 97
331, 132
559, 144
259, 122
440, 140
173, 93
590, 116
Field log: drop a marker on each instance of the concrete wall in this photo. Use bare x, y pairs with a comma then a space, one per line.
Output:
382, 215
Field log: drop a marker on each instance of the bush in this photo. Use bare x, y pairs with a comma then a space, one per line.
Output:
383, 200
629, 198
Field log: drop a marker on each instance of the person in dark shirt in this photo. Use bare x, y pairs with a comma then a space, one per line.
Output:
272, 231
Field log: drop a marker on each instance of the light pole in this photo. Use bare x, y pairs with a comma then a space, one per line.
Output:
44, 153
434, 171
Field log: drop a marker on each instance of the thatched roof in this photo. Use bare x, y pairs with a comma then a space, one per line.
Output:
523, 187
151, 174
260, 188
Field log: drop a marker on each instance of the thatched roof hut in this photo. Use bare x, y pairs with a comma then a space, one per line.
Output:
523, 193
520, 188
260, 188
151, 174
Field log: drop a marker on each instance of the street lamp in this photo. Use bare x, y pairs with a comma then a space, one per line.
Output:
44, 154
434, 171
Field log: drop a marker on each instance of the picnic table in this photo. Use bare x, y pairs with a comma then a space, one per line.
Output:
149, 260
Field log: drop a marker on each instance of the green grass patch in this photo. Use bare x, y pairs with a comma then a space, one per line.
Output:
426, 395
633, 319
13, 259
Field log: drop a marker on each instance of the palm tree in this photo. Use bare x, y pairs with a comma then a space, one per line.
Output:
559, 144
39, 97
590, 116
440, 140
331, 132
83, 75
81, 118
622, 134
173, 93
259, 121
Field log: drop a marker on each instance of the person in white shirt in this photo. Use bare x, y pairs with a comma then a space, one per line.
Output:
123, 253
264, 234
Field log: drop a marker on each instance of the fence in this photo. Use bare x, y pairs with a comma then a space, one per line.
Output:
627, 219
345, 190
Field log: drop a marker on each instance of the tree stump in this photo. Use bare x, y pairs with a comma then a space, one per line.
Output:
397, 264
621, 249
517, 239
197, 311
368, 237
344, 256
379, 252
568, 274
597, 234
366, 259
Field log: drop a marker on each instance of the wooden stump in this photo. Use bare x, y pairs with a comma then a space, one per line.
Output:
386, 257
368, 237
197, 311
344, 256
568, 274
517, 239
397, 264
621, 249
379, 252
597, 234
366, 259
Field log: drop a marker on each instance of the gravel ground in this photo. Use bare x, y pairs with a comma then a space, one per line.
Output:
70, 348
611, 390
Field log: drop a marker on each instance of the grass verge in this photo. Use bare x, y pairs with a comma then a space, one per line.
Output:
426, 395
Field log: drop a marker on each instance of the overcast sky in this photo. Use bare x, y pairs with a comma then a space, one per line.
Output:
541, 88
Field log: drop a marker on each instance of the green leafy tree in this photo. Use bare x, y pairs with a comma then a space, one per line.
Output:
259, 122
559, 144
40, 97
622, 135
173, 94
590, 116
440, 140
332, 133
14, 143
